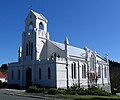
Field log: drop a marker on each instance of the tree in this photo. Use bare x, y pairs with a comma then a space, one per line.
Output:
92, 78
4, 66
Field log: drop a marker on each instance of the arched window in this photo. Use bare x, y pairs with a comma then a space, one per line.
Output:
99, 72
39, 73
26, 49
31, 26
41, 26
31, 50
72, 70
54, 55
18, 74
58, 56
83, 71
105, 72
49, 73
12, 75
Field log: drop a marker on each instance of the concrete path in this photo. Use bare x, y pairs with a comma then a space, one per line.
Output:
22, 93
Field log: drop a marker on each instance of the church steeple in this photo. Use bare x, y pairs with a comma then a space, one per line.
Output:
36, 21
66, 41
34, 36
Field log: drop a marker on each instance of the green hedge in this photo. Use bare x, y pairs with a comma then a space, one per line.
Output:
70, 91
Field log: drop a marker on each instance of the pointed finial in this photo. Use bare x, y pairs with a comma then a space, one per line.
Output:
30, 7
66, 40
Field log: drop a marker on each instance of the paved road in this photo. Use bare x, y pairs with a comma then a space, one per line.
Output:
4, 96
12, 97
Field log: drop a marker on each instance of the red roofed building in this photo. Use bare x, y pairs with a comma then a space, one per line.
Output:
6, 76
3, 78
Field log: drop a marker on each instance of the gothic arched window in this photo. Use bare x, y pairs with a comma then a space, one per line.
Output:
26, 49
73, 70
31, 50
12, 75
105, 72
99, 72
83, 71
39, 73
31, 26
18, 74
54, 55
49, 73
41, 26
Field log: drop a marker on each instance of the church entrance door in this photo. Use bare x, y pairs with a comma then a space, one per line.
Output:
28, 77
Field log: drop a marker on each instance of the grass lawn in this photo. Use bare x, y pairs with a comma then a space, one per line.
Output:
90, 96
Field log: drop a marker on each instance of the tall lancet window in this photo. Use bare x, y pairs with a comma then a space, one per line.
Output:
83, 71
49, 73
39, 73
12, 75
73, 70
18, 74
105, 72
26, 49
31, 50
99, 71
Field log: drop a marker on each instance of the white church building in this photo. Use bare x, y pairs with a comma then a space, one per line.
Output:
58, 65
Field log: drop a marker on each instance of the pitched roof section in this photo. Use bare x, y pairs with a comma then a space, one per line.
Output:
73, 51
59, 45
39, 16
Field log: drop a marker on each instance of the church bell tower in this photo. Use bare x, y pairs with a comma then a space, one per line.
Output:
34, 37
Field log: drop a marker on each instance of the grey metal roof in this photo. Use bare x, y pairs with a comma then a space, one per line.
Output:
73, 51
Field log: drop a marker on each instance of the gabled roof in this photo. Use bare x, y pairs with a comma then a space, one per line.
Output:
6, 76
59, 45
73, 51
39, 16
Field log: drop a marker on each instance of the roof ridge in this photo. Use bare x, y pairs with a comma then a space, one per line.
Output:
39, 15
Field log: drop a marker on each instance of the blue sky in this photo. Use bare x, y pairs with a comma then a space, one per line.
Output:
91, 23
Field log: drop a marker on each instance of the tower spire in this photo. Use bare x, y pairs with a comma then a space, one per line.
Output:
30, 7
66, 40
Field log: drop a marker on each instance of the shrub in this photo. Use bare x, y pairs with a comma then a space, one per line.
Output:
70, 91
52, 91
74, 87
60, 91
41, 90
32, 89
80, 91
97, 91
